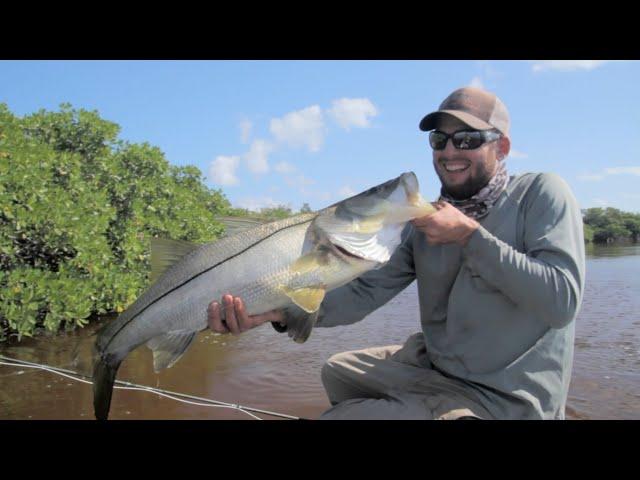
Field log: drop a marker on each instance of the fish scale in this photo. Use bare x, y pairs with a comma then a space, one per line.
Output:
207, 256
167, 308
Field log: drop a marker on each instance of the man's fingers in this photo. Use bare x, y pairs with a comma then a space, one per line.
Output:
272, 316
236, 318
244, 321
214, 320
430, 218
230, 315
423, 221
247, 322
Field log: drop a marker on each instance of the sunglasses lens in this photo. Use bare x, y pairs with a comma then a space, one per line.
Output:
438, 140
467, 140
462, 140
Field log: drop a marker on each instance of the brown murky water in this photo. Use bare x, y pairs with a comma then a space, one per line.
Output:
266, 370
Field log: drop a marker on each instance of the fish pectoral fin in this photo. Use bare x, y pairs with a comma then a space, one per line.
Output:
308, 298
165, 252
168, 348
309, 262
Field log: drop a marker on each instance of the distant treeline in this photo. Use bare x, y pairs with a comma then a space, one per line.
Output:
78, 207
269, 213
607, 225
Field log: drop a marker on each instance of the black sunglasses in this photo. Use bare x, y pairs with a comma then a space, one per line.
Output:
463, 139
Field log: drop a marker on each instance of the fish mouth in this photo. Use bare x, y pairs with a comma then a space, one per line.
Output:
412, 190
410, 184
347, 253
373, 252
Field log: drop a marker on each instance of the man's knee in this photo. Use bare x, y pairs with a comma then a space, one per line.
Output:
327, 373
340, 380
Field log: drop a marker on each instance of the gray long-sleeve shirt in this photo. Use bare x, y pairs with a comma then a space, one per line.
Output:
498, 313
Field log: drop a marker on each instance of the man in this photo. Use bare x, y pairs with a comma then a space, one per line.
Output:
500, 276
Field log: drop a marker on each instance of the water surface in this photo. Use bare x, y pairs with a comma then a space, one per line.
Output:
266, 370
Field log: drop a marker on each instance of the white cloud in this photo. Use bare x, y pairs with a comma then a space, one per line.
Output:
352, 112
245, 130
623, 171
346, 192
601, 202
284, 167
590, 178
486, 75
302, 180
257, 203
566, 65
223, 170
256, 158
476, 82
516, 154
298, 181
610, 171
302, 128
487, 70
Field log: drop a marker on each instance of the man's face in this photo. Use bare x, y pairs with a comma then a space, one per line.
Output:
464, 172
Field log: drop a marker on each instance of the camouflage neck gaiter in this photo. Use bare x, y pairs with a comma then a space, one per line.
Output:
479, 204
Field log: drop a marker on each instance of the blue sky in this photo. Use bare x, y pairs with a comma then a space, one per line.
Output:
288, 132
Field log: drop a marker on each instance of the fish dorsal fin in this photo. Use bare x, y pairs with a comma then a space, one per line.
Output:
168, 348
234, 225
165, 252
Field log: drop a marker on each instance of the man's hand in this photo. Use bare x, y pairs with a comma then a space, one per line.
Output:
236, 318
447, 225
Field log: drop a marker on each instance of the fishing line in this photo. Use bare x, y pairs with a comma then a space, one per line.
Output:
140, 388
204, 402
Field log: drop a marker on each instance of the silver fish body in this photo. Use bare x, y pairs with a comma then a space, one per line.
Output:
286, 264
253, 265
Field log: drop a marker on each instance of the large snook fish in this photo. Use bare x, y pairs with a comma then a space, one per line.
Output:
287, 264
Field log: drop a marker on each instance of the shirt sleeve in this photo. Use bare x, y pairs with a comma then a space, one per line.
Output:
355, 300
548, 277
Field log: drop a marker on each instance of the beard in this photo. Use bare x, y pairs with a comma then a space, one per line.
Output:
472, 185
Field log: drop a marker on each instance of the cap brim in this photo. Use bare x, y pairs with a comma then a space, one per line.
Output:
429, 122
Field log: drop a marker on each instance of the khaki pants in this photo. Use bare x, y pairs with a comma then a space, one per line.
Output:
394, 383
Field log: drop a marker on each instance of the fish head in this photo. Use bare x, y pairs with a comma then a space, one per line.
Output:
368, 225
395, 201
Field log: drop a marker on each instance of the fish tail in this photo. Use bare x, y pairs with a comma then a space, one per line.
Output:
105, 366
104, 376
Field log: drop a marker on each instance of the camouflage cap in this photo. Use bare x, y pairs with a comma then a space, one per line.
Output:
477, 108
